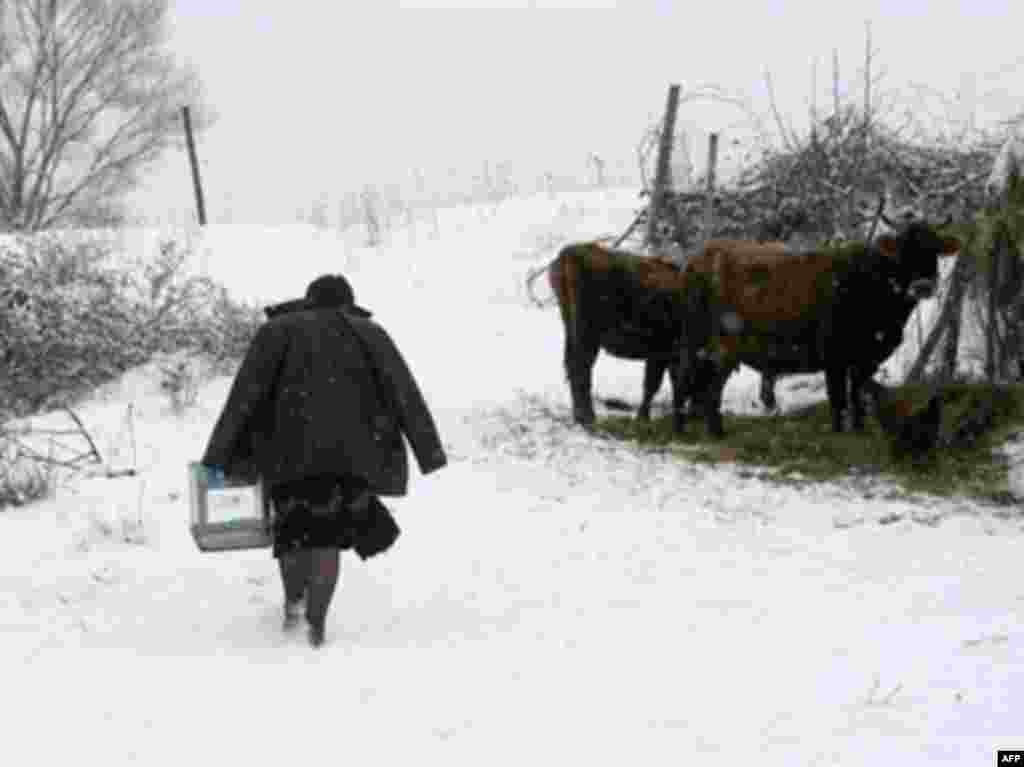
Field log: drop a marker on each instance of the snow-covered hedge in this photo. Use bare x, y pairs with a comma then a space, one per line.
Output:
71, 318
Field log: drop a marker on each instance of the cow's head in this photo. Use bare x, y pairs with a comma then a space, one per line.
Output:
916, 250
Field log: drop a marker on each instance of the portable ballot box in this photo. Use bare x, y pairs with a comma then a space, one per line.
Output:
227, 513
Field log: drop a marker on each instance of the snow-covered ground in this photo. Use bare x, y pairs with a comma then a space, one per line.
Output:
555, 598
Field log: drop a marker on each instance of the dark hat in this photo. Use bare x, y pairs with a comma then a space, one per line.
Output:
328, 291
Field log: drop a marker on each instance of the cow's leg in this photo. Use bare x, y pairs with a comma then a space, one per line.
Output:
688, 381
713, 402
858, 379
713, 379
835, 385
579, 368
768, 391
653, 372
678, 398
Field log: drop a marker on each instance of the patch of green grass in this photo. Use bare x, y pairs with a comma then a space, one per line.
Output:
801, 446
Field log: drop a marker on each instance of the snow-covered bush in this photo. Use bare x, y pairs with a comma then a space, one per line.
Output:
71, 318
180, 380
21, 481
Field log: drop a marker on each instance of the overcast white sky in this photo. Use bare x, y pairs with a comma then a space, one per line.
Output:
319, 98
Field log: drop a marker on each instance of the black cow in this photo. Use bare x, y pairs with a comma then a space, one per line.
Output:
841, 310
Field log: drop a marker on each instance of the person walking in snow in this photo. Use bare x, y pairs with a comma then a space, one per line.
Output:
318, 410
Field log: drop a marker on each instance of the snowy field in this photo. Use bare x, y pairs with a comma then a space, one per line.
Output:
555, 598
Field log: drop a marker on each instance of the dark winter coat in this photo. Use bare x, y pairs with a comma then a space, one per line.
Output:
306, 402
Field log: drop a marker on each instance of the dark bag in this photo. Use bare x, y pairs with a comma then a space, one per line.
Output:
377, 531
373, 528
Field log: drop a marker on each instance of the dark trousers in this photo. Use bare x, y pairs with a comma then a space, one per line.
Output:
313, 574
312, 525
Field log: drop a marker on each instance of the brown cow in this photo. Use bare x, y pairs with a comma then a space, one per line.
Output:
632, 307
840, 309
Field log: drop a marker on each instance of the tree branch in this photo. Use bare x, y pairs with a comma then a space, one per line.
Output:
785, 134
87, 99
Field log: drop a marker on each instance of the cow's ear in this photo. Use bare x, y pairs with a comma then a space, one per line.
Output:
950, 246
888, 246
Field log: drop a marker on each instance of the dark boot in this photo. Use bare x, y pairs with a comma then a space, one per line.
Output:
295, 576
325, 564
316, 633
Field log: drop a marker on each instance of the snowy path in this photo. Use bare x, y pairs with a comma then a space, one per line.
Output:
555, 598
519, 626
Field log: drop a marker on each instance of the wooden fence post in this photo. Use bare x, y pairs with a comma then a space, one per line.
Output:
992, 350
197, 184
950, 313
664, 167
710, 192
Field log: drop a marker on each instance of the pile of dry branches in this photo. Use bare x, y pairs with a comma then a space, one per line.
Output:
826, 185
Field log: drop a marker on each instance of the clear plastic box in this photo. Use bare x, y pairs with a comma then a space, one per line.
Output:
227, 515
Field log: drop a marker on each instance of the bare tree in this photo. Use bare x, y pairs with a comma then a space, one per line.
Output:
89, 97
